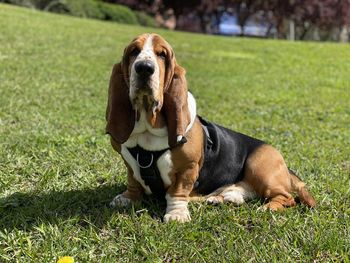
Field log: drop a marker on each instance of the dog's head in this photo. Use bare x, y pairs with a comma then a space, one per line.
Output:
148, 78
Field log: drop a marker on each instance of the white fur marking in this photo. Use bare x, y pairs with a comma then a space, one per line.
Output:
235, 197
176, 210
165, 165
192, 107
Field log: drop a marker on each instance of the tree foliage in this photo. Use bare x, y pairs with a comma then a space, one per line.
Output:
306, 15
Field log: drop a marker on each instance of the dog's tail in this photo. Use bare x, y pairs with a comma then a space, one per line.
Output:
300, 189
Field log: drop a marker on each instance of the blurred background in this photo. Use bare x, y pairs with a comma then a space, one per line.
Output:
312, 20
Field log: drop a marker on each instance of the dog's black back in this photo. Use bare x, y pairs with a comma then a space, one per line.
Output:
225, 153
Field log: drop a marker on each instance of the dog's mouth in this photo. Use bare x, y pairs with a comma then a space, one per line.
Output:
145, 100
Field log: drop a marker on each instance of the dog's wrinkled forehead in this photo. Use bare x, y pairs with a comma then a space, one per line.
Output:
146, 46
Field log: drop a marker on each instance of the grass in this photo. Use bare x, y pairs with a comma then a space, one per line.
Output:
58, 171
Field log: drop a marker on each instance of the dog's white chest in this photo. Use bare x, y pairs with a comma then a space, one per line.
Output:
149, 138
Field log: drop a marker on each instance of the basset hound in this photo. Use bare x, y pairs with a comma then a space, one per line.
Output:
171, 152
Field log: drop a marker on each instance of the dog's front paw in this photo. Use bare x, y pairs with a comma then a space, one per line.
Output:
120, 201
176, 210
178, 215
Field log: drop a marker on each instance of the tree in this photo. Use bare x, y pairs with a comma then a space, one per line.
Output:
307, 15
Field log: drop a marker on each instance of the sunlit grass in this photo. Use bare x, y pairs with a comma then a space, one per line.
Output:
58, 171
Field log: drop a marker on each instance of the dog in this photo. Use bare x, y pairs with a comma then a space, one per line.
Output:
171, 152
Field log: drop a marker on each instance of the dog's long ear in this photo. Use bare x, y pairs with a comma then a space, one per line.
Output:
176, 107
119, 114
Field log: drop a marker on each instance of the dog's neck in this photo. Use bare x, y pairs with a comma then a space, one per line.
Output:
152, 122
155, 119
150, 129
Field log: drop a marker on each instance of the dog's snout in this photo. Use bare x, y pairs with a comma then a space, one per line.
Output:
144, 68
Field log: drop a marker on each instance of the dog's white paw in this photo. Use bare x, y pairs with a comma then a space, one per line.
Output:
235, 197
262, 208
178, 215
176, 210
120, 201
214, 200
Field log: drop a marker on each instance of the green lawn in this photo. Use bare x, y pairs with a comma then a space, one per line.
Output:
58, 171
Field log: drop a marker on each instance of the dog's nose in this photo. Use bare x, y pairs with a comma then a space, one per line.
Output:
144, 68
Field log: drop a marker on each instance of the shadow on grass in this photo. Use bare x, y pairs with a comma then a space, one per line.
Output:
27, 210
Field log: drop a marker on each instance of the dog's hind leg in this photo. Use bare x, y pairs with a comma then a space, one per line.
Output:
267, 173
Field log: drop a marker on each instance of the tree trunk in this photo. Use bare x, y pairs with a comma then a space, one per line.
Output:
344, 34
291, 30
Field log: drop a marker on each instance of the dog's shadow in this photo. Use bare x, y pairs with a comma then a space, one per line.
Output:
27, 210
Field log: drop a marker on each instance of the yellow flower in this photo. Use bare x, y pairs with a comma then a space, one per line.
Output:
66, 259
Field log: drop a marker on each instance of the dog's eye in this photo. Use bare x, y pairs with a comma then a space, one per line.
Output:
162, 55
134, 52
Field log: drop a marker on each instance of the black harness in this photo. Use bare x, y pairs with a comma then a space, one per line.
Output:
147, 162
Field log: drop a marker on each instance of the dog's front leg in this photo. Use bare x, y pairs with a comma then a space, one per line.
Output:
177, 196
132, 194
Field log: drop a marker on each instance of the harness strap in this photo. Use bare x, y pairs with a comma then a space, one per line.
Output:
207, 141
207, 144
